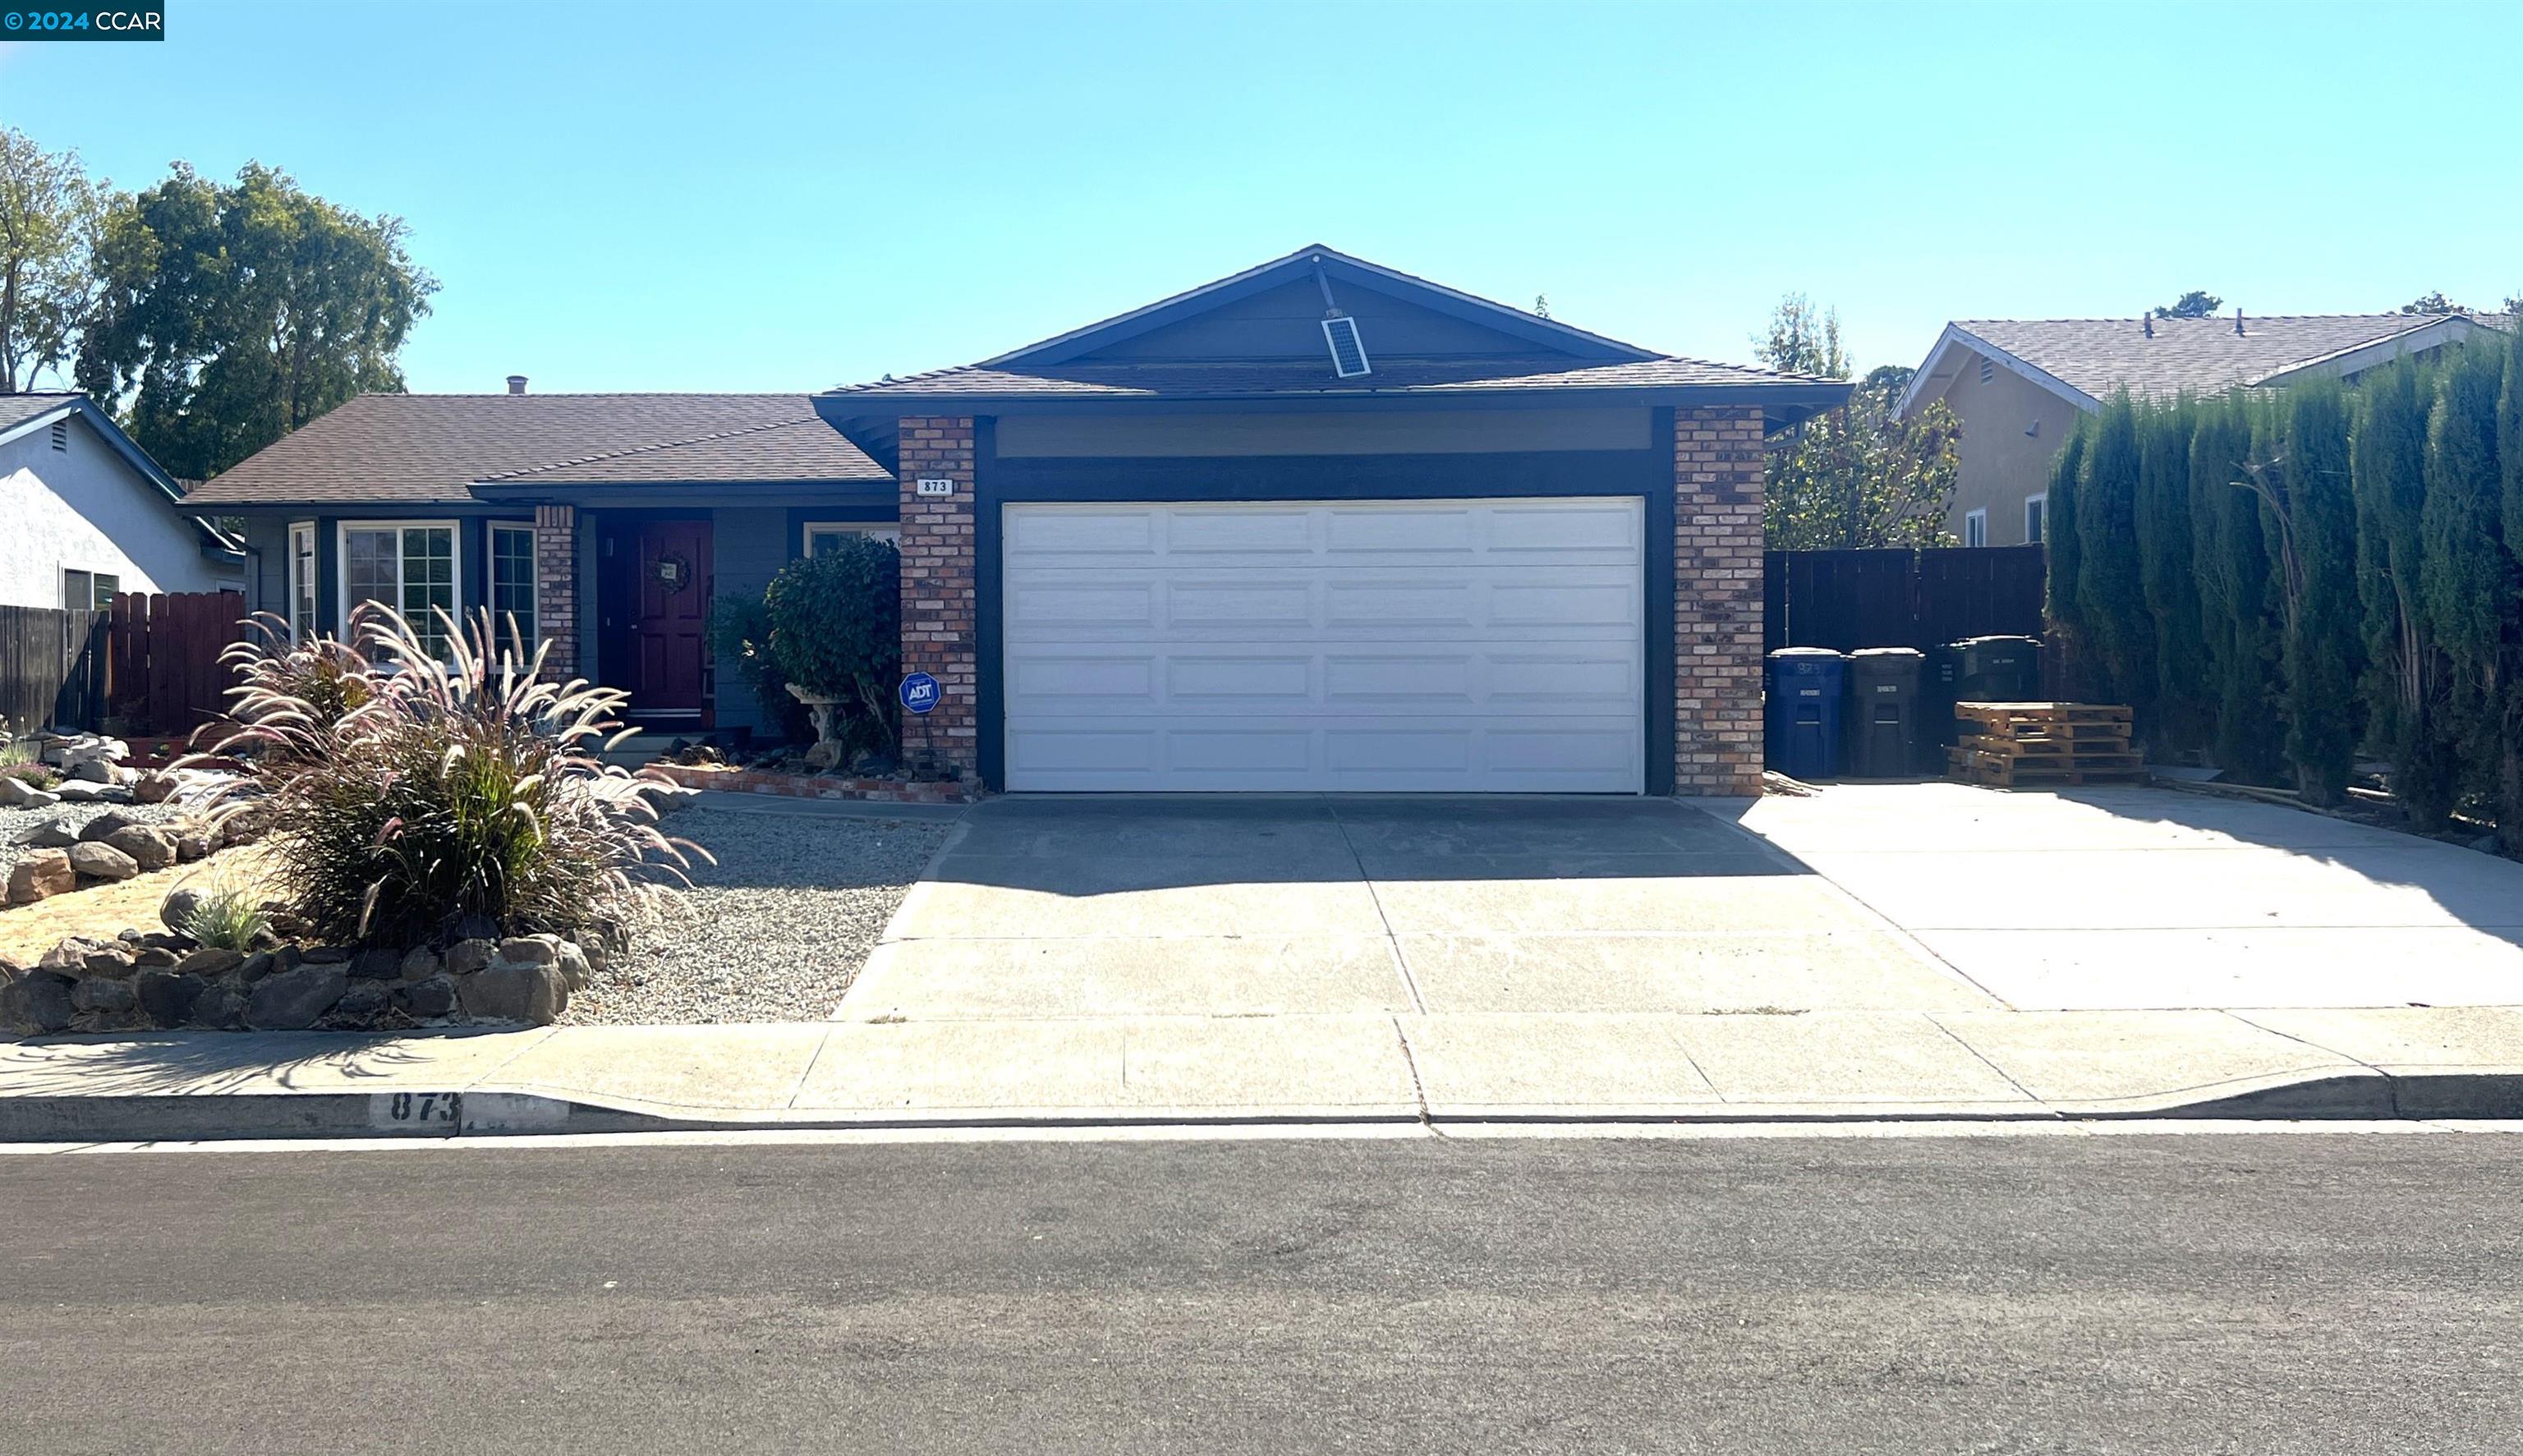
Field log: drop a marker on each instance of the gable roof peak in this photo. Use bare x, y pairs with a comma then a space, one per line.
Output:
1339, 267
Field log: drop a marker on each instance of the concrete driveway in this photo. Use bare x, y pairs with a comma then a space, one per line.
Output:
1912, 897
1308, 904
2126, 898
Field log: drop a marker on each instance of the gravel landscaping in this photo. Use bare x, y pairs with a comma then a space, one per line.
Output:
17, 823
775, 931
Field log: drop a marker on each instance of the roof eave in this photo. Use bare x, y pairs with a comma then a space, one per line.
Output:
1956, 336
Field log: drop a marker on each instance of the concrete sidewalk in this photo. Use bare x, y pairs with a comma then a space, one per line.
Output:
1366, 1066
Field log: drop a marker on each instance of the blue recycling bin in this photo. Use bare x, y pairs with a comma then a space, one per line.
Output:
1804, 733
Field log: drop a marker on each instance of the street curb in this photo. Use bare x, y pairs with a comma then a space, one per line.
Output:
417, 1113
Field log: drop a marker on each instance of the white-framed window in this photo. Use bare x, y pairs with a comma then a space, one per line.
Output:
302, 580
88, 591
1976, 529
514, 583
410, 566
823, 533
2037, 519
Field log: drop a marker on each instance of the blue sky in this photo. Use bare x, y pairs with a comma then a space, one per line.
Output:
626, 195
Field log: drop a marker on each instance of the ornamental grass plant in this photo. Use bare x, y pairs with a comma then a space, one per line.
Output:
411, 799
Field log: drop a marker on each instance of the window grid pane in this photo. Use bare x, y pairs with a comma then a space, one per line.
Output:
428, 581
512, 583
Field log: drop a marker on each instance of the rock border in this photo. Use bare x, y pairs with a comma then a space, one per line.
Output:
162, 980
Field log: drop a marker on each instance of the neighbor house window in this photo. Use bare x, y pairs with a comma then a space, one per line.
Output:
2037, 519
823, 536
512, 585
302, 580
89, 590
407, 565
1976, 529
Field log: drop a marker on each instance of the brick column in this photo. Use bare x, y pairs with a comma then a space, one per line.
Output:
1717, 569
938, 606
556, 588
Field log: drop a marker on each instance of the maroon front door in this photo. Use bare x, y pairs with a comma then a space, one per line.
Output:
669, 626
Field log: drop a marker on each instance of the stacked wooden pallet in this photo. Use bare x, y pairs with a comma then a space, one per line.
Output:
2024, 745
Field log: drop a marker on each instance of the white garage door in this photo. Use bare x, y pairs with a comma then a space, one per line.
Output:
1440, 645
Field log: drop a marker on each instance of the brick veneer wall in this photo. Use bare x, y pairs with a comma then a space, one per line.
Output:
937, 594
1717, 567
556, 587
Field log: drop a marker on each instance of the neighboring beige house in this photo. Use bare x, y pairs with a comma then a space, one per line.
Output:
2018, 385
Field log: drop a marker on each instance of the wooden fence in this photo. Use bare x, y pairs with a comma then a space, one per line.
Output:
1902, 598
52, 668
163, 650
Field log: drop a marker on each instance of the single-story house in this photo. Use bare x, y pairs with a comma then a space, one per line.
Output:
91, 514
1319, 525
602, 522
2019, 384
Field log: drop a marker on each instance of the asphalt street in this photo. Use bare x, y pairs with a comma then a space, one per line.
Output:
2295, 1293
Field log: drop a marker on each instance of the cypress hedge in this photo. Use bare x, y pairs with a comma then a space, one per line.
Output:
2284, 578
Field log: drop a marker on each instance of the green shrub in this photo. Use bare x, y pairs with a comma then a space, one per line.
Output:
836, 630
455, 794
226, 919
740, 637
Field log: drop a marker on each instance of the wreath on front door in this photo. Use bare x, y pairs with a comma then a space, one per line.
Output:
674, 571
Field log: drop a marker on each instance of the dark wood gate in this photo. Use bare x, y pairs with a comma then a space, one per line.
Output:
1902, 598
52, 668
164, 649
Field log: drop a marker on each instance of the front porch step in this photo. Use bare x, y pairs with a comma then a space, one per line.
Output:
639, 749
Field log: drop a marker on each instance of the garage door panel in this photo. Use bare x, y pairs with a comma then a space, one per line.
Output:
1445, 646
1107, 681
1362, 603
1229, 532
1242, 603
1099, 533
1400, 530
1378, 681
1045, 606
1282, 751
1563, 606
1246, 681
1611, 531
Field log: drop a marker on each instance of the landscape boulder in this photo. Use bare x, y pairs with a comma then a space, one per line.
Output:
168, 995
150, 848
113, 822
427, 1000
154, 787
103, 994
175, 912
514, 991
52, 833
17, 794
36, 1004
219, 1008
102, 861
211, 962
39, 875
295, 1000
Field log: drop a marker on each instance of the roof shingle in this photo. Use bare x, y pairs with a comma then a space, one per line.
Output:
428, 449
2186, 356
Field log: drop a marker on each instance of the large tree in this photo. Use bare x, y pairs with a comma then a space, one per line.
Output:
233, 313
2199, 302
49, 216
1856, 476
